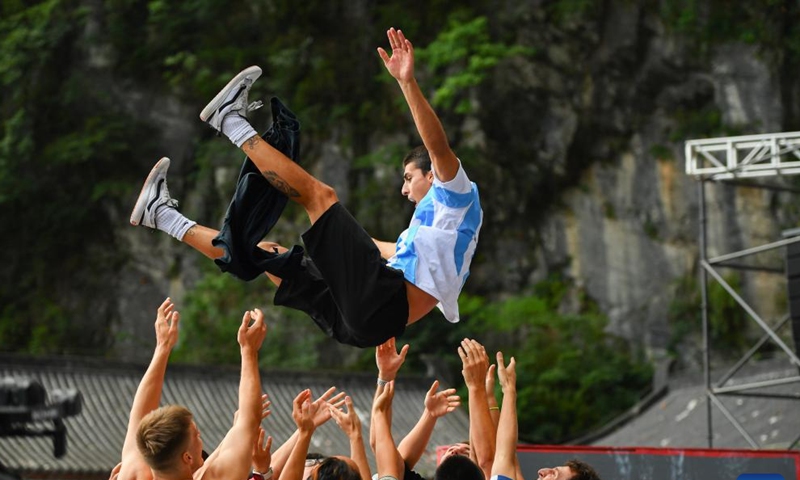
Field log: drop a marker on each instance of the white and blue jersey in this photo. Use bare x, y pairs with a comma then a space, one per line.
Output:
436, 249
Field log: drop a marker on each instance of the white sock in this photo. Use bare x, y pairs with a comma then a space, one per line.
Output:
170, 220
237, 129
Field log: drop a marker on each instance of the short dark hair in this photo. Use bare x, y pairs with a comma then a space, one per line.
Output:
333, 468
458, 467
582, 470
420, 157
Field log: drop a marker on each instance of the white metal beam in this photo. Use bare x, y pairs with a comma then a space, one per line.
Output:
745, 156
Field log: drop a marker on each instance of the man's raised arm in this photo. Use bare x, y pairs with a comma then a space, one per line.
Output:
482, 432
437, 404
235, 452
401, 66
505, 460
148, 394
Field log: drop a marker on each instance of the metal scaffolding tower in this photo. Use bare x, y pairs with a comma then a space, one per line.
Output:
734, 160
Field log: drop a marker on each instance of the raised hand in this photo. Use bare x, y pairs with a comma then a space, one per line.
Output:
383, 399
265, 411
506, 373
251, 335
262, 455
389, 360
474, 362
347, 420
265, 404
441, 403
301, 411
490, 380
322, 414
401, 62
166, 325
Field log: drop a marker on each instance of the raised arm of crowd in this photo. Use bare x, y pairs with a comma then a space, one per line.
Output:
164, 442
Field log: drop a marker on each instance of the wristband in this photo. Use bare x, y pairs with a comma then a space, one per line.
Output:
381, 382
262, 476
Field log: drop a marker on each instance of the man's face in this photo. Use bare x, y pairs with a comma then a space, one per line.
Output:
415, 183
556, 473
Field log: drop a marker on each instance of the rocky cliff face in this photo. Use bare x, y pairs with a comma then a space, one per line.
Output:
582, 169
587, 139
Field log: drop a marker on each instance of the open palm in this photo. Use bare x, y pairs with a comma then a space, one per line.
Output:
400, 63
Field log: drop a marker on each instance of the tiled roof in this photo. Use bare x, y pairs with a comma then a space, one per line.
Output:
95, 437
680, 418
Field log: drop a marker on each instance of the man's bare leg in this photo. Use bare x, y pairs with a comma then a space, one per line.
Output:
290, 178
157, 210
227, 113
199, 238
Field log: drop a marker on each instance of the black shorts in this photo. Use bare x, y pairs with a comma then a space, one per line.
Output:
345, 285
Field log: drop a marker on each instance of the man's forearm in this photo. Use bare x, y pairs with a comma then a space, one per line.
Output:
250, 389
445, 163
296, 462
147, 397
148, 394
413, 445
281, 456
506, 453
482, 429
428, 125
359, 455
387, 458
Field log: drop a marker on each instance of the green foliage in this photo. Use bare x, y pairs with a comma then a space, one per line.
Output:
461, 57
697, 123
213, 313
726, 319
650, 228
661, 152
765, 23
569, 10
609, 211
64, 157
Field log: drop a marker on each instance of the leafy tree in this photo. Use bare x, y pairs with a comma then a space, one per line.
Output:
63, 157
461, 56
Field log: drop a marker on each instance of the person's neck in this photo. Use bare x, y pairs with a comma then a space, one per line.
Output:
182, 475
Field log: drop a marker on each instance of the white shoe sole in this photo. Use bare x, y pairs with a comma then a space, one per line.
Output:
215, 103
147, 190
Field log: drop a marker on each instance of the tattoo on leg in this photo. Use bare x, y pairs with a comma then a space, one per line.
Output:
280, 184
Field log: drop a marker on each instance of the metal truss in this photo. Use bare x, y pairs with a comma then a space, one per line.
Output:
725, 159
744, 156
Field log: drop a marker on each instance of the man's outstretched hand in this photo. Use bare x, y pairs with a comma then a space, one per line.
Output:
401, 62
167, 325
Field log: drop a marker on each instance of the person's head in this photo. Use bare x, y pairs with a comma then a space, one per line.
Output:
169, 440
461, 448
417, 174
333, 468
458, 467
571, 470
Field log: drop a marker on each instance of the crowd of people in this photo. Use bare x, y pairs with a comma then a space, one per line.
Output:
165, 443
358, 290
